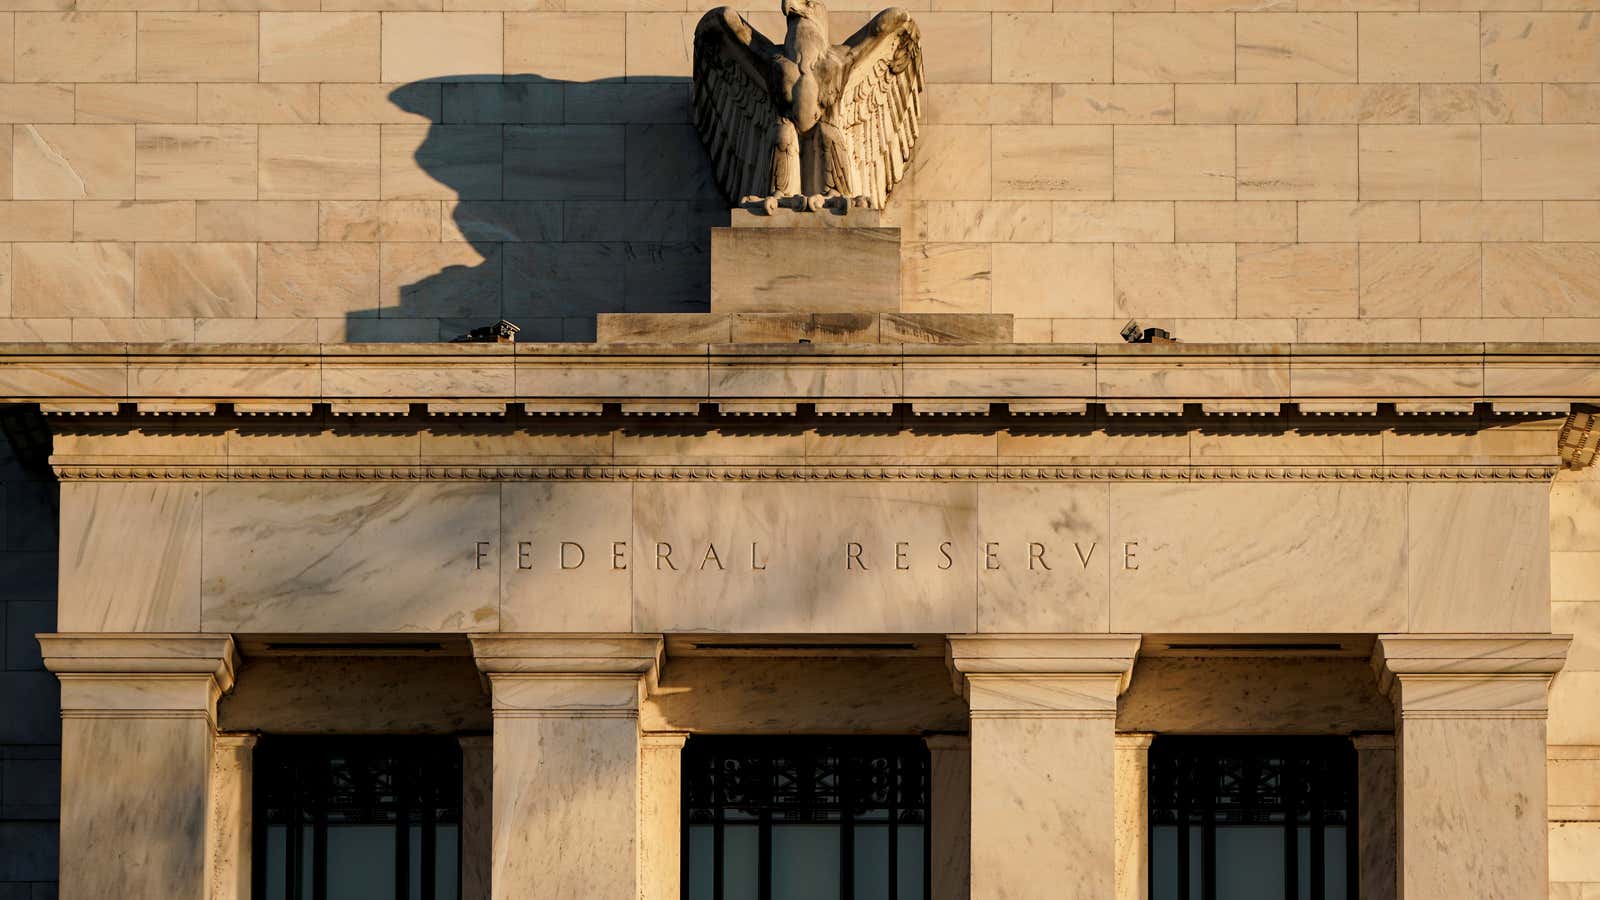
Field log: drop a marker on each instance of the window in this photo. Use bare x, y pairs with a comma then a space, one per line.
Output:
357, 818
1252, 819
802, 818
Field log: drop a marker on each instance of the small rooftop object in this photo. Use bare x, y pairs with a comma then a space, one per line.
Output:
501, 332
1133, 334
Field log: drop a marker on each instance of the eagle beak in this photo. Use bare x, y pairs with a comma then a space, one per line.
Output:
789, 9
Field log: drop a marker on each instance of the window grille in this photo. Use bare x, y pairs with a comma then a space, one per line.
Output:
1252, 818
805, 818
357, 818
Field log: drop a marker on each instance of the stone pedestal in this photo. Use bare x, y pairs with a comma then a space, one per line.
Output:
566, 763
1133, 815
477, 815
1043, 761
1375, 799
950, 762
138, 714
807, 262
1471, 715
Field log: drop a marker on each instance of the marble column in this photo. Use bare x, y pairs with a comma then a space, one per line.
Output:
1470, 761
231, 816
138, 712
950, 762
1043, 711
660, 814
1375, 796
1132, 804
566, 762
477, 791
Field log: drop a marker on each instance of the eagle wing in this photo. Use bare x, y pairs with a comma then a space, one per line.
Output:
734, 110
879, 107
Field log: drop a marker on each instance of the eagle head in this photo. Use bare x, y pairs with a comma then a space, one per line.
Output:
804, 9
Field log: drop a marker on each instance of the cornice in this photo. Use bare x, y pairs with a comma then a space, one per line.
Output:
653, 380
805, 474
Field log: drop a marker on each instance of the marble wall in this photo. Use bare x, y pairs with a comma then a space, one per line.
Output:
1574, 752
776, 558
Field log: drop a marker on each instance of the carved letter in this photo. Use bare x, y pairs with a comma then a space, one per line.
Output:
711, 556
578, 547
1128, 556
944, 550
852, 556
901, 555
664, 556
619, 554
1082, 556
991, 555
754, 566
482, 549
524, 554
1036, 553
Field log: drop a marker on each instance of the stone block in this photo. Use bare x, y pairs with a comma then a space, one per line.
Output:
70, 47
306, 162
1348, 221
1111, 104
1027, 587
35, 220
1262, 695
565, 46
1541, 279
559, 279
1359, 104
1427, 280
563, 162
1260, 221
441, 279
1539, 46
416, 103
1570, 104
990, 104
1297, 280
1174, 162
489, 103
138, 331
7, 48
611, 103
72, 162
424, 564
1479, 558
314, 280
945, 277
1305, 47
1099, 221
1052, 280
250, 220
943, 328
1468, 220
1050, 47
279, 104
465, 46
957, 48
198, 46
1541, 162
1497, 104
1182, 47
1419, 46
1420, 162
169, 104
320, 46
674, 167
1235, 104
1051, 162
356, 695
775, 270
34, 103
195, 162
201, 280
998, 220
1577, 220
1297, 162
952, 162
1179, 280
66, 280
441, 162
659, 45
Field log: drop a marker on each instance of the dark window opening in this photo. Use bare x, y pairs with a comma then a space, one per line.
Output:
1252, 818
368, 818
805, 818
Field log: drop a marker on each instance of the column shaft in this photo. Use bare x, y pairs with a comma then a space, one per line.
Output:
1133, 815
1375, 797
477, 815
660, 814
232, 815
951, 801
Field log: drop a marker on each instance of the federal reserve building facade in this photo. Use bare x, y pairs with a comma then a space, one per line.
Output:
629, 450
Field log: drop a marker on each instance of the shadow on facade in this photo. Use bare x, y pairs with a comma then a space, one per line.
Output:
563, 200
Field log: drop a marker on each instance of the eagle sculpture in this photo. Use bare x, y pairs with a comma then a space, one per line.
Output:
808, 124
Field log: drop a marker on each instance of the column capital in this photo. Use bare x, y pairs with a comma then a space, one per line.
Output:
1372, 741
568, 675
1469, 675
140, 675
662, 740
957, 742
1134, 740
1042, 675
